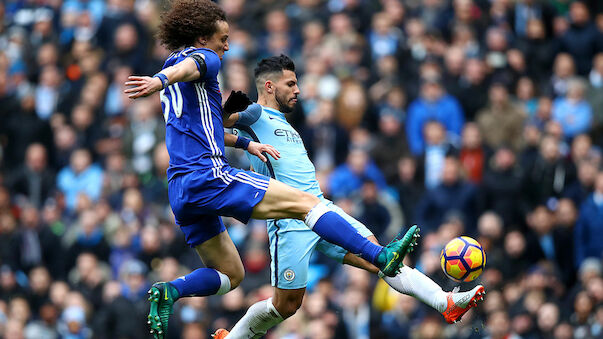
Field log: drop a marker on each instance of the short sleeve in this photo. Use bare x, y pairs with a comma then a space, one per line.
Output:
250, 115
212, 62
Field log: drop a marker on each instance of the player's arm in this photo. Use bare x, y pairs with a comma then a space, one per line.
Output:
246, 117
189, 69
254, 148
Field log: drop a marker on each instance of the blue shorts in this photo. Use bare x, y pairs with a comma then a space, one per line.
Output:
292, 244
199, 198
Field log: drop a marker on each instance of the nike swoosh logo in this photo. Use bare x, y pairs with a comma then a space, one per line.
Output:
271, 118
393, 259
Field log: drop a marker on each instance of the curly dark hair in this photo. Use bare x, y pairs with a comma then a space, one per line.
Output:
186, 21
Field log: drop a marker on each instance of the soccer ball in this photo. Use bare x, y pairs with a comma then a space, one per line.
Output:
463, 259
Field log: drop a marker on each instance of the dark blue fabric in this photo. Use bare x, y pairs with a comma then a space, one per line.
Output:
199, 283
588, 233
334, 229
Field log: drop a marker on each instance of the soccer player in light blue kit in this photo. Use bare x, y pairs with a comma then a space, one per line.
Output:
202, 186
291, 242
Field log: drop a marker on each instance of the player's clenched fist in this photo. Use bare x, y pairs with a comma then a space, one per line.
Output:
236, 102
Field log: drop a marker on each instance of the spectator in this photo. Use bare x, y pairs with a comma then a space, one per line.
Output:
588, 227
436, 150
24, 127
88, 237
548, 175
34, 180
473, 90
473, 154
372, 212
81, 178
543, 114
538, 50
594, 95
582, 40
384, 39
434, 104
38, 244
525, 93
573, 112
390, 145
584, 186
454, 194
347, 179
502, 186
500, 122
409, 187
564, 69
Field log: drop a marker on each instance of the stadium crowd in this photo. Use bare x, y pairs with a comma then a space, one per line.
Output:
472, 117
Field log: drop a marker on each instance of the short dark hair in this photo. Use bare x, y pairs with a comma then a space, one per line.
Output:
187, 20
274, 64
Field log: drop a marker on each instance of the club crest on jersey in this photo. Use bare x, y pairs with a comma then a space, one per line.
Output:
289, 274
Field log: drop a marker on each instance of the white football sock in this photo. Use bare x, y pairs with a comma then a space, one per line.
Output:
260, 317
413, 282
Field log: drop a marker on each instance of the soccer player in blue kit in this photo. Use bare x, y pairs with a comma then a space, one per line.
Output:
291, 242
202, 186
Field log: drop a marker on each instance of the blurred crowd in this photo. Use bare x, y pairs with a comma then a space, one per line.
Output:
467, 117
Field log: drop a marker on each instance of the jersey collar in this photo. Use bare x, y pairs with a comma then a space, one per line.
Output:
274, 113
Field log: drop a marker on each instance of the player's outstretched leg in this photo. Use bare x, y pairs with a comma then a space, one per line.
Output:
390, 258
282, 202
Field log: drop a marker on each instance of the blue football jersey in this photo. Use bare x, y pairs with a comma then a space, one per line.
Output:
193, 115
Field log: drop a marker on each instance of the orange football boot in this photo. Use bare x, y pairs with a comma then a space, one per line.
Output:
464, 302
220, 334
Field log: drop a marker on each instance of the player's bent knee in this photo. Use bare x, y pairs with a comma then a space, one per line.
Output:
287, 302
236, 276
307, 201
289, 307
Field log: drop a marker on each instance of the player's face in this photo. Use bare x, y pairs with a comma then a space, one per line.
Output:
218, 42
286, 91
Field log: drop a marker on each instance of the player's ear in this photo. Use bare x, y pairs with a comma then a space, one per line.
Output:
269, 87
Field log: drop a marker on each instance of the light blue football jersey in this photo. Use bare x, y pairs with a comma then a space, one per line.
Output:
269, 126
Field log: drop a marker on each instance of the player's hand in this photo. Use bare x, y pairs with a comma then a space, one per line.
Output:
237, 101
143, 86
258, 150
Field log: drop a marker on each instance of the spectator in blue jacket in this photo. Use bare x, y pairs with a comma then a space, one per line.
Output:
588, 233
433, 104
80, 177
453, 196
348, 178
582, 40
573, 112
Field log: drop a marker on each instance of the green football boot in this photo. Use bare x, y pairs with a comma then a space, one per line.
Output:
162, 296
390, 258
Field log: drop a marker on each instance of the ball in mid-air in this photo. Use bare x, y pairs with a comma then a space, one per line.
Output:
463, 259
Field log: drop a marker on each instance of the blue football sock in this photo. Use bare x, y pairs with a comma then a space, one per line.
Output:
335, 229
200, 282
